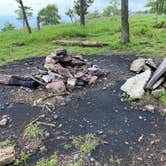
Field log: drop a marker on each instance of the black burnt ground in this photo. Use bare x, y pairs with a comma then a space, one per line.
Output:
98, 108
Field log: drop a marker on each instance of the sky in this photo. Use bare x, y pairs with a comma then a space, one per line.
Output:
7, 7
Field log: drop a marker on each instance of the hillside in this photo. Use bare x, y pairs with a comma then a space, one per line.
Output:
145, 40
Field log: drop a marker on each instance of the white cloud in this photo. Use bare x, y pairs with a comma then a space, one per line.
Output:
7, 7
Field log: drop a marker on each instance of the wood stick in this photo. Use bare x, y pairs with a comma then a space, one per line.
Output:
79, 43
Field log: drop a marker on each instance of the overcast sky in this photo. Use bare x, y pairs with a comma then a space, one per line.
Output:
7, 7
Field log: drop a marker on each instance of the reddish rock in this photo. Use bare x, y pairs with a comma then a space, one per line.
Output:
93, 80
57, 86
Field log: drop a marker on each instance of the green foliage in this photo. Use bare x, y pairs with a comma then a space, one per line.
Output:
22, 159
161, 96
86, 5
49, 15
112, 9
71, 14
52, 161
157, 6
128, 98
85, 144
150, 43
20, 15
93, 15
8, 27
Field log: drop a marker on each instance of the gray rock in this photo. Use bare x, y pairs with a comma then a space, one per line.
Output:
4, 121
7, 155
135, 85
137, 65
71, 83
150, 108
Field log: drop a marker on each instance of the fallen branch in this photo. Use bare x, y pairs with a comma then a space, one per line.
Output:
46, 124
79, 43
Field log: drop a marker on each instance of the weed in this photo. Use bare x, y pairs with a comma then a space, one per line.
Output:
35, 134
114, 160
52, 161
128, 97
160, 96
85, 144
67, 146
22, 158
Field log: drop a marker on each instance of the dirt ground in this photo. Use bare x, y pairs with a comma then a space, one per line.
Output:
134, 136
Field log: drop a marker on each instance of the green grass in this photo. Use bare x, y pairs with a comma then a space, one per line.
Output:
161, 96
52, 161
85, 144
145, 40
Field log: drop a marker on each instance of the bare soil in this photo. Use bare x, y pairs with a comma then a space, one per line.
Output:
134, 136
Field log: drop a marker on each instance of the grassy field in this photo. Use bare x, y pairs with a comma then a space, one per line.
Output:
145, 40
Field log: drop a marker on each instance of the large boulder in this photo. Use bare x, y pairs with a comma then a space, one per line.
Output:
135, 85
137, 65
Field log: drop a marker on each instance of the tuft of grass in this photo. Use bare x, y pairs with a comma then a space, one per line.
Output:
145, 39
128, 97
85, 144
52, 161
22, 158
114, 160
161, 96
34, 133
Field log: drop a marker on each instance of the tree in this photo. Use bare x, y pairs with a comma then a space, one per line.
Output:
49, 15
20, 15
81, 9
125, 22
94, 14
70, 13
157, 6
24, 15
112, 9
8, 27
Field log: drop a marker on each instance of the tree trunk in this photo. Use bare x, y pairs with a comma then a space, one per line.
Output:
125, 22
25, 16
38, 23
82, 14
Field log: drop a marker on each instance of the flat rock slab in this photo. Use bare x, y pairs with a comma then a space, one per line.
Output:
7, 155
134, 86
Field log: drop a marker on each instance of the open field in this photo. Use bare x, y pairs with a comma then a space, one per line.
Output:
145, 40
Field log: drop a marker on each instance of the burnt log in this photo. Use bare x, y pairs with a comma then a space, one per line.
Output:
160, 72
18, 81
79, 43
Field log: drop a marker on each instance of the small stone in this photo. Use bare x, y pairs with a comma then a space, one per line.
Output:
71, 83
55, 117
4, 122
76, 157
100, 132
137, 65
92, 159
150, 108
